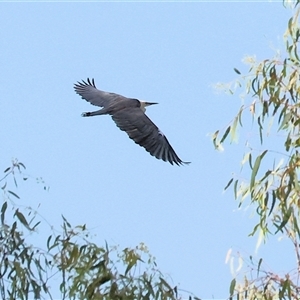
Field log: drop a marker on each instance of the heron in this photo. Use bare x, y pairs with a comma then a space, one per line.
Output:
129, 115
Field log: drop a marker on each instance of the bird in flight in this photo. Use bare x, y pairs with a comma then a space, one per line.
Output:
129, 116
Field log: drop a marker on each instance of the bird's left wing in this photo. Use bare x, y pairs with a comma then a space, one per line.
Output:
89, 92
145, 133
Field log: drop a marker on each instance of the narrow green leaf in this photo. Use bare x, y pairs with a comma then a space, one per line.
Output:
240, 115
295, 221
266, 200
250, 161
265, 176
129, 267
284, 107
253, 87
36, 225
260, 129
258, 267
286, 218
225, 134
74, 254
273, 201
106, 247
272, 71
14, 194
286, 286
232, 286
176, 292
296, 52
237, 71
48, 242
3, 210
15, 181
235, 189
256, 167
233, 129
296, 182
7, 169
254, 230
21, 164
165, 283
285, 121
265, 108
297, 34
13, 228
22, 219
286, 193
288, 143
214, 139
290, 24
228, 184
264, 69
284, 68
66, 222
4, 267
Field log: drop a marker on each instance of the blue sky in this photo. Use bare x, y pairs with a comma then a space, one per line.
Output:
171, 53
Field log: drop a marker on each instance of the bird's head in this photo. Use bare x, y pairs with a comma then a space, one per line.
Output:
145, 104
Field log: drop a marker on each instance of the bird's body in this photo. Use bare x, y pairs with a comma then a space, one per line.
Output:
129, 115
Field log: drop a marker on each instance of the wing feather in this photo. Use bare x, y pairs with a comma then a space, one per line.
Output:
88, 91
145, 133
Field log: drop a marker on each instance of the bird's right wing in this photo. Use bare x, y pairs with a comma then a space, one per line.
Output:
89, 92
145, 133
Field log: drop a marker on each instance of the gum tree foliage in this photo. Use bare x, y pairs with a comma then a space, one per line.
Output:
69, 259
269, 180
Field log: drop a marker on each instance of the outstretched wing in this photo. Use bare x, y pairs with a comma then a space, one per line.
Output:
145, 133
89, 92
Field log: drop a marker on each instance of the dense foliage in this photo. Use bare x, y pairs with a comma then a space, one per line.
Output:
271, 163
69, 259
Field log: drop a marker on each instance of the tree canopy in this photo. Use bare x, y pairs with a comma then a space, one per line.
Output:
270, 175
69, 259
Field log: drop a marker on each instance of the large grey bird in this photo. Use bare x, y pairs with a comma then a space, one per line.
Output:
129, 115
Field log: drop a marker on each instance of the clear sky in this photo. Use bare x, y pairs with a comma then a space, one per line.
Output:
171, 53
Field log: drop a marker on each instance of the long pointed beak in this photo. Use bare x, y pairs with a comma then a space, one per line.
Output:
150, 103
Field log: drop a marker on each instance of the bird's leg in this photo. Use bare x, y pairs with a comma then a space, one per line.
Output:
86, 114
94, 113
